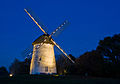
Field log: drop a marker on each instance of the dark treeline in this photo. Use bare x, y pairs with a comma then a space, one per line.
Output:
19, 68
102, 62
3, 71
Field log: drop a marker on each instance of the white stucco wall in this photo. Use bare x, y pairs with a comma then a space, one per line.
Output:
43, 59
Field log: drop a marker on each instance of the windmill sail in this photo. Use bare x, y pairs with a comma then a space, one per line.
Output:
43, 59
59, 29
27, 53
62, 50
36, 20
62, 62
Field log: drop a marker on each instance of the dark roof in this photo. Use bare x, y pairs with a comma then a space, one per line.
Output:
42, 39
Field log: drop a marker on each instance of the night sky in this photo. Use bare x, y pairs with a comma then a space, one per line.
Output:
90, 21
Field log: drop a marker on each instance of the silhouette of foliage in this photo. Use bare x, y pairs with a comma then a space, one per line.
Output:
104, 61
3, 71
109, 48
64, 65
18, 67
90, 63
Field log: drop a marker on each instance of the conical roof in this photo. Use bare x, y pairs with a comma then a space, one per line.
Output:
42, 39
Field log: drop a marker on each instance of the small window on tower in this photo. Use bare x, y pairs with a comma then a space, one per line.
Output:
46, 69
40, 59
37, 46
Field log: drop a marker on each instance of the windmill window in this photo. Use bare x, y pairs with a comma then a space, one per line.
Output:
40, 59
37, 46
46, 69
44, 40
50, 69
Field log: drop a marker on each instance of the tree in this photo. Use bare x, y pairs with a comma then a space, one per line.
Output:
14, 68
64, 65
18, 67
110, 48
90, 63
3, 71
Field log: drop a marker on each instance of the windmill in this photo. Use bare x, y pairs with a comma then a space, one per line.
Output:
43, 57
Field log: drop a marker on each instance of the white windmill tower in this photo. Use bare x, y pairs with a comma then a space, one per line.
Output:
43, 58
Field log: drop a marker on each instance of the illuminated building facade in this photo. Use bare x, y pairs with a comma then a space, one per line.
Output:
43, 58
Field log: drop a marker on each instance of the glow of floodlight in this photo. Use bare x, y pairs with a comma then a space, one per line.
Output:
10, 75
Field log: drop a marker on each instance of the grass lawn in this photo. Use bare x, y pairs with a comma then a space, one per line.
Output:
42, 79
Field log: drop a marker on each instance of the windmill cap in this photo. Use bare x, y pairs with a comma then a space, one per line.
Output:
43, 39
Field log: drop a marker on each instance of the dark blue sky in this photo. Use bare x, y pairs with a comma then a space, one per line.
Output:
91, 21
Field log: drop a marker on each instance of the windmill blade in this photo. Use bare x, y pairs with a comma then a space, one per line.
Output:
27, 53
34, 20
66, 61
37, 19
62, 50
59, 29
63, 64
59, 52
